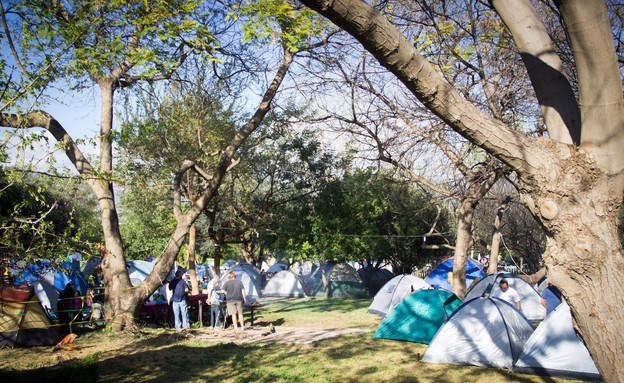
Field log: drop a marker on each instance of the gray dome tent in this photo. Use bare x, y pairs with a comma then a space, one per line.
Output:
485, 332
530, 300
555, 350
284, 284
393, 292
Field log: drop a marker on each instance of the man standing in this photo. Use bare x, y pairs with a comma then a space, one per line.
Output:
551, 298
508, 294
235, 298
179, 300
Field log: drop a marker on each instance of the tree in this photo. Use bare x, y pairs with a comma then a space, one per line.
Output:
364, 217
192, 121
572, 181
43, 217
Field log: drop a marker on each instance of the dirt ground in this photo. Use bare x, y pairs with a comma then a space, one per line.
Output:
279, 334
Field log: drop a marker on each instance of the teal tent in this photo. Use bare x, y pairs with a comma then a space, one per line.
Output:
419, 316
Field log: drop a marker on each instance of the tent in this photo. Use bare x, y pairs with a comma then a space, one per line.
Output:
284, 284
277, 267
227, 265
204, 270
419, 316
22, 319
393, 292
250, 269
374, 278
343, 281
51, 282
486, 332
442, 275
555, 350
252, 290
530, 300
304, 270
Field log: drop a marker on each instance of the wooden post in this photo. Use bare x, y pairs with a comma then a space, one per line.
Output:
199, 314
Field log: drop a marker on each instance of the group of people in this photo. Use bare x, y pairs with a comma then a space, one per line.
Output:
234, 293
71, 307
233, 290
551, 297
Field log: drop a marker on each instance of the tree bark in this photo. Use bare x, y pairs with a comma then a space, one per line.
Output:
477, 190
497, 237
192, 242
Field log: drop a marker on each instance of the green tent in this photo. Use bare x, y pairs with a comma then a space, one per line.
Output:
419, 316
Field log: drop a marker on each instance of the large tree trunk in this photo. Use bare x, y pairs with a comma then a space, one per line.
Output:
584, 256
121, 311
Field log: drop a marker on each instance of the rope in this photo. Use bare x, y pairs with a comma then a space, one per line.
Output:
512, 258
149, 292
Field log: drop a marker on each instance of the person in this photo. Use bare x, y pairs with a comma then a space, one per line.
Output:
179, 301
214, 301
235, 298
508, 294
551, 298
64, 306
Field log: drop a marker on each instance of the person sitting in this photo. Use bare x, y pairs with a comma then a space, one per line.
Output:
508, 294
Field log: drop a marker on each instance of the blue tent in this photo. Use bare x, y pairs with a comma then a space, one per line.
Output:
442, 275
63, 277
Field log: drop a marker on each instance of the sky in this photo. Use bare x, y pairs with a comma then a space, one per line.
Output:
78, 113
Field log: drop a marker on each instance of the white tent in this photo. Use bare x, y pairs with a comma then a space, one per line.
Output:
486, 332
284, 284
250, 269
46, 292
555, 350
393, 292
530, 300
277, 267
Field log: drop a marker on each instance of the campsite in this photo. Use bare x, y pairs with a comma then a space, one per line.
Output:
160, 355
292, 190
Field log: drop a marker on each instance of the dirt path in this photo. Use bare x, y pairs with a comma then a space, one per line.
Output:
252, 334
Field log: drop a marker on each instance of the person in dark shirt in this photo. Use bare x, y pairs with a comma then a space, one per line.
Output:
551, 298
179, 301
235, 298
64, 307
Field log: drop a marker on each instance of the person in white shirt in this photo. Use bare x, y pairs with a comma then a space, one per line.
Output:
508, 294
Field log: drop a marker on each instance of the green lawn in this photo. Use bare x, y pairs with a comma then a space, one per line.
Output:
161, 355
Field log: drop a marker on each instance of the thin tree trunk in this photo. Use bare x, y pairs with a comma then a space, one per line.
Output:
191, 259
462, 241
497, 236
325, 282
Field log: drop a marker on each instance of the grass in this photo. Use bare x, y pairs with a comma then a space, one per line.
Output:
160, 356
